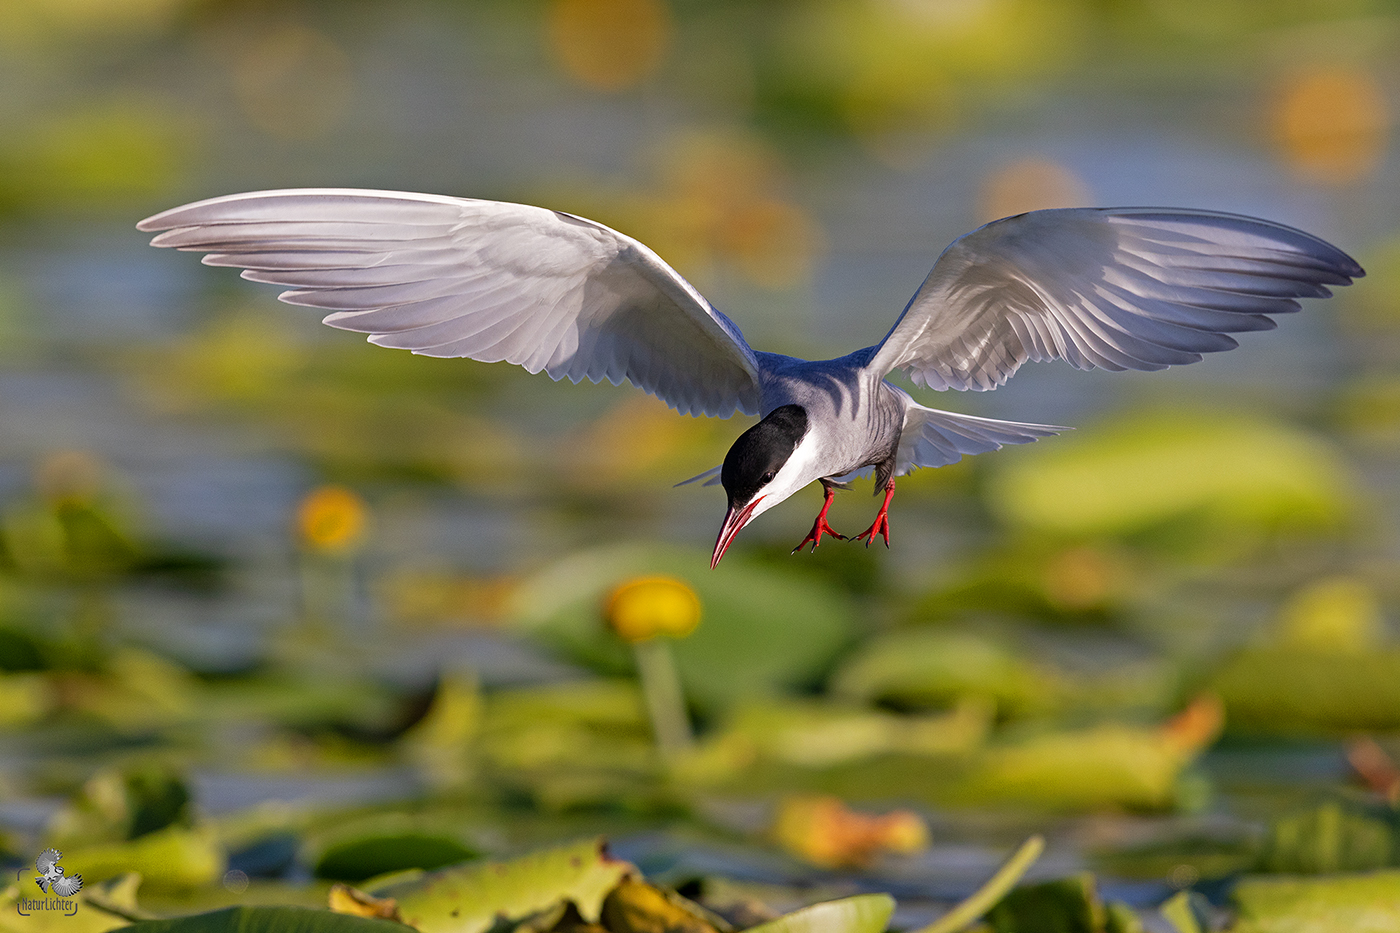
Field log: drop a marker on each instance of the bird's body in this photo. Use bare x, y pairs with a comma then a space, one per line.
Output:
856, 416
1112, 288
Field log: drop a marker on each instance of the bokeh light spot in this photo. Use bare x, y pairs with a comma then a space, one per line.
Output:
896, 106
332, 519
292, 82
1336, 614
69, 476
1029, 185
609, 45
1333, 124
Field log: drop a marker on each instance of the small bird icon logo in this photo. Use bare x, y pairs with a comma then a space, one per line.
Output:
51, 878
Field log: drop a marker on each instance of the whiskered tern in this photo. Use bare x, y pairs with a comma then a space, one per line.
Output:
1113, 288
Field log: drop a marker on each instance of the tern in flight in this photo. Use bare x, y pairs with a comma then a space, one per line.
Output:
1113, 288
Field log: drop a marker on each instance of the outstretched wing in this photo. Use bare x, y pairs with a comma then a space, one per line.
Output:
933, 438
491, 281
68, 885
1116, 288
47, 860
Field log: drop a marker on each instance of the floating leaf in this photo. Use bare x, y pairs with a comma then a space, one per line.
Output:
637, 907
122, 804
934, 667
1334, 836
1147, 468
469, 898
344, 899
1295, 690
169, 859
1361, 903
811, 734
764, 630
864, 913
358, 859
1068, 904
1185, 911
1107, 764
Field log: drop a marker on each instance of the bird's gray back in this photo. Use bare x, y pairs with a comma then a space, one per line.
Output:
857, 416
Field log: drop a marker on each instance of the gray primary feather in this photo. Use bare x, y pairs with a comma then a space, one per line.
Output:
454, 277
1116, 288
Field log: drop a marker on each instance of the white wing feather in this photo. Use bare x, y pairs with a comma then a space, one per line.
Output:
488, 280
1116, 288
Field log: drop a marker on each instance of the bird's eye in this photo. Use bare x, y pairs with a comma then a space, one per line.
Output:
767, 477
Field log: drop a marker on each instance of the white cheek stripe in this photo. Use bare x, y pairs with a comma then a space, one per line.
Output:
801, 468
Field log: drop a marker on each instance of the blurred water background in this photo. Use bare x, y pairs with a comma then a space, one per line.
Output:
264, 555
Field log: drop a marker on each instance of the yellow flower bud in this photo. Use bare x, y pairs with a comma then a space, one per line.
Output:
642, 608
332, 519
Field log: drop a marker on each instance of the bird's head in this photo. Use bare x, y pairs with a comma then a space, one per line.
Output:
767, 464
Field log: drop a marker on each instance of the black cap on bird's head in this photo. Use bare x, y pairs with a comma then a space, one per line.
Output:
756, 458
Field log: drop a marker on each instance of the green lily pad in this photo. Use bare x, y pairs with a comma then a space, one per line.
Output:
1065, 905
172, 858
761, 631
1149, 468
864, 913
1186, 911
118, 804
923, 668
470, 898
358, 859
1298, 690
1359, 903
1334, 836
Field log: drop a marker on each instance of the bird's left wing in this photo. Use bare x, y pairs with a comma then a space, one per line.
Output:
488, 280
1115, 288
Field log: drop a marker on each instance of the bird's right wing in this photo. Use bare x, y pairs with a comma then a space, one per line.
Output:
1114, 288
488, 280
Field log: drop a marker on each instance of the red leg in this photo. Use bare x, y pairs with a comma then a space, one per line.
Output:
820, 527
882, 519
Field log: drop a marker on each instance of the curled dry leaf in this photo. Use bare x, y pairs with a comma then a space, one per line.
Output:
347, 900
822, 830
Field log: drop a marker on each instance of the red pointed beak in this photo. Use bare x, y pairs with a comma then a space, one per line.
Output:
734, 519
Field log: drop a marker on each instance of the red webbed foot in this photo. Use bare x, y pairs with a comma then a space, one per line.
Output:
881, 526
820, 526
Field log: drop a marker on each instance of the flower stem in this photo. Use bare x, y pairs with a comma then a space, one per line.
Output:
987, 896
661, 686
